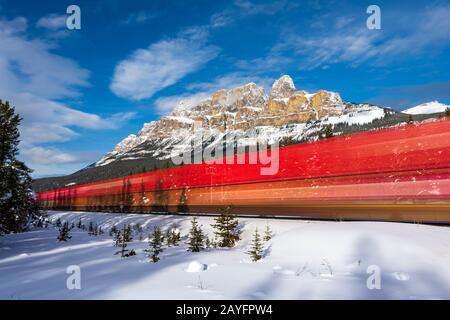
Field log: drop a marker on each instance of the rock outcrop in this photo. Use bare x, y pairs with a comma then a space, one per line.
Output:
245, 110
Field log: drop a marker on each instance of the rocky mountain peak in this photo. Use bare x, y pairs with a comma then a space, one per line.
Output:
282, 88
243, 110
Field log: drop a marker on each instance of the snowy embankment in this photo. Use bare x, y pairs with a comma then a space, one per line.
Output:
304, 260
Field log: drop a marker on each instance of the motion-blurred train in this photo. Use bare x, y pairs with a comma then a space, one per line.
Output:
394, 174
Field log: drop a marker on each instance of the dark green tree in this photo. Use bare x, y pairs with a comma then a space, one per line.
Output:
226, 228
268, 234
447, 112
64, 232
326, 132
91, 229
122, 239
196, 238
173, 236
156, 245
17, 203
256, 249
113, 231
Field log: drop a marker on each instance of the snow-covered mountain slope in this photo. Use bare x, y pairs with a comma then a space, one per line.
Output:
247, 113
304, 260
427, 108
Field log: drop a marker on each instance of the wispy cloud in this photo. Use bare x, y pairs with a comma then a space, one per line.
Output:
246, 8
139, 17
351, 42
52, 22
162, 64
35, 80
197, 92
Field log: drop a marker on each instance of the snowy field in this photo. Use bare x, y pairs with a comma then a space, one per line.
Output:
304, 260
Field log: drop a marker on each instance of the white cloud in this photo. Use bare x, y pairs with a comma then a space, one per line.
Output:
14, 26
48, 156
354, 43
139, 17
165, 105
246, 8
203, 90
52, 22
34, 80
147, 71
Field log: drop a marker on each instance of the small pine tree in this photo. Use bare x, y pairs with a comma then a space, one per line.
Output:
168, 238
58, 223
327, 132
64, 232
95, 232
117, 238
196, 237
91, 228
79, 224
447, 112
173, 236
256, 249
268, 234
226, 228
113, 231
122, 239
155, 244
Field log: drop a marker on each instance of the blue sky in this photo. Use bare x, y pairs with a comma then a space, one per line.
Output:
82, 91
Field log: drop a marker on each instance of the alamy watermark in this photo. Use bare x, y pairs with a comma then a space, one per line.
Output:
373, 22
73, 281
73, 21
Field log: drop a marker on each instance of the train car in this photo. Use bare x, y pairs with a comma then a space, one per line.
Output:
394, 174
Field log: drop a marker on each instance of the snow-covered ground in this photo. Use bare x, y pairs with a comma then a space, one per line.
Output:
304, 260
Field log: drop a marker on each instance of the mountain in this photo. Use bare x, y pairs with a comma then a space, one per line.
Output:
285, 114
427, 108
246, 112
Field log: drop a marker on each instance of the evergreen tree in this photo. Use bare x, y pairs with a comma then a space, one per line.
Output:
173, 236
196, 237
226, 228
79, 224
91, 229
268, 234
207, 243
156, 242
58, 223
447, 112
122, 239
64, 232
113, 231
17, 203
256, 249
327, 132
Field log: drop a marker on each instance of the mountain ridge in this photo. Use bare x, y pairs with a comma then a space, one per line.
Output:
284, 115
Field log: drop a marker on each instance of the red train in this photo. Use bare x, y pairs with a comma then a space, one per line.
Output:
399, 174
